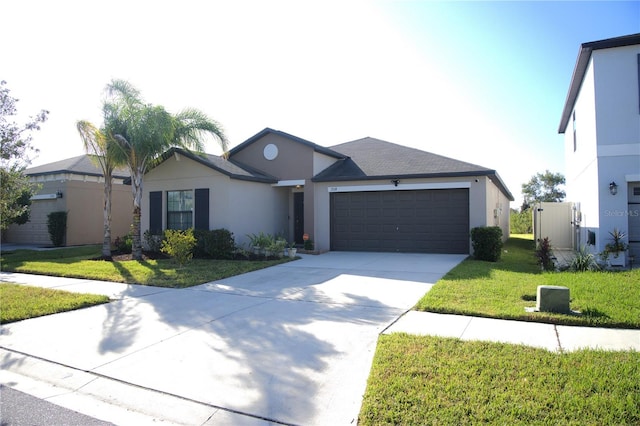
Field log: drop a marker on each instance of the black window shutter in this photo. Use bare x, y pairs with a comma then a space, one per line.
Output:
155, 212
201, 220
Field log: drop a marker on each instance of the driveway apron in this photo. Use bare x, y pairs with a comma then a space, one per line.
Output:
290, 344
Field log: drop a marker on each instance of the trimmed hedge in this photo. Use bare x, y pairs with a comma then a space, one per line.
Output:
215, 244
57, 227
487, 243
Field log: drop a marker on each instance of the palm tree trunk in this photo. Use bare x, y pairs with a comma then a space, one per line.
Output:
106, 243
136, 183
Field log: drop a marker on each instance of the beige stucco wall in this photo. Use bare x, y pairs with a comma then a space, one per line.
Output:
294, 160
243, 207
83, 200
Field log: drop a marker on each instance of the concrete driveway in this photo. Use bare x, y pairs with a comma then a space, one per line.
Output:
291, 344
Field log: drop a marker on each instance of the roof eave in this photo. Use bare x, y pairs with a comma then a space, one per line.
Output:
584, 55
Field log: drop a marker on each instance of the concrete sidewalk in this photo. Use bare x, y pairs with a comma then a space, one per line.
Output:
552, 337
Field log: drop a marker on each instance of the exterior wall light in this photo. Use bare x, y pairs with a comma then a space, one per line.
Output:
395, 182
613, 188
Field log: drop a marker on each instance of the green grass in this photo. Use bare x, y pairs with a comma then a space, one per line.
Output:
75, 262
22, 302
503, 289
430, 380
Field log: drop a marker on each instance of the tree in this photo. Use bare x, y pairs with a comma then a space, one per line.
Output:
144, 131
543, 187
102, 151
15, 149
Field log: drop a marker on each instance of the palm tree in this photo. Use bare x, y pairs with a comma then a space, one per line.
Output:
100, 148
144, 131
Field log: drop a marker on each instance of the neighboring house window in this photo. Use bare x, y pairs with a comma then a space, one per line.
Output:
575, 141
179, 209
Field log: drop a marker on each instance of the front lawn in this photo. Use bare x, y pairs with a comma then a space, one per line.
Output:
503, 289
75, 262
22, 302
419, 380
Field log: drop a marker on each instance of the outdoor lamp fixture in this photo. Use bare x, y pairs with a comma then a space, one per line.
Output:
613, 188
395, 182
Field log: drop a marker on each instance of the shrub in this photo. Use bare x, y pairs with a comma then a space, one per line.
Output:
124, 244
487, 243
308, 244
153, 242
544, 254
179, 245
584, 260
216, 244
521, 222
57, 226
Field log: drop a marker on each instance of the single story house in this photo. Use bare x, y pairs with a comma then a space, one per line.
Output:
74, 185
601, 126
364, 195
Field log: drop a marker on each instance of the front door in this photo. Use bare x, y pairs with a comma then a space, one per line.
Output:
298, 217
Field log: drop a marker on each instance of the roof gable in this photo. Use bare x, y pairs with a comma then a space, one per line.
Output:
285, 135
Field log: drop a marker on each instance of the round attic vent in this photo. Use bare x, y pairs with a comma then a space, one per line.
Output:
270, 152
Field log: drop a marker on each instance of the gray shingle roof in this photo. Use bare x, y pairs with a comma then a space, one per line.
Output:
230, 168
370, 158
373, 158
80, 165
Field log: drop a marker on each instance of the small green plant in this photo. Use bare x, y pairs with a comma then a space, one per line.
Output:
617, 245
487, 243
57, 227
153, 242
125, 243
277, 247
544, 254
308, 244
583, 261
179, 245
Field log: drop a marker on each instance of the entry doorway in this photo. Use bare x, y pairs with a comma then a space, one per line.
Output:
298, 217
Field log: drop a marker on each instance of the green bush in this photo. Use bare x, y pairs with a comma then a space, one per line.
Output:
179, 245
487, 243
153, 241
216, 244
544, 254
521, 222
583, 261
57, 226
124, 244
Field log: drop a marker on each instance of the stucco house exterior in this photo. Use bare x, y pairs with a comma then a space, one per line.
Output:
364, 195
74, 185
601, 126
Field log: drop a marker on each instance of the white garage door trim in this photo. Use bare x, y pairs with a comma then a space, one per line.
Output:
400, 187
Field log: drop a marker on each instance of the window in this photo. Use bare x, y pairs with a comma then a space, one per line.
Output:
575, 143
179, 209
636, 191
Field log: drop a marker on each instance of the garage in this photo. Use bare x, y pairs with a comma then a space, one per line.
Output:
419, 221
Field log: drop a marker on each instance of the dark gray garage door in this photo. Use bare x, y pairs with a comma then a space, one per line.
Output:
424, 221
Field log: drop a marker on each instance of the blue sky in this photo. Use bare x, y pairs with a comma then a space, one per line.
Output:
483, 82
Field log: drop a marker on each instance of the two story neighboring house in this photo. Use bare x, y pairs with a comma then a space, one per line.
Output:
601, 127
